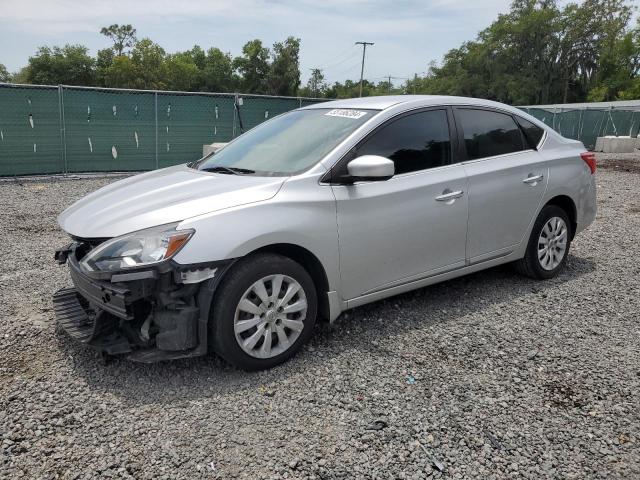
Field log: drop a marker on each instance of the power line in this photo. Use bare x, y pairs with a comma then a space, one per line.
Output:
388, 78
346, 69
332, 63
331, 67
343, 71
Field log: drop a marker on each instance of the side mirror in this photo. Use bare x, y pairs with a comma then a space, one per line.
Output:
371, 168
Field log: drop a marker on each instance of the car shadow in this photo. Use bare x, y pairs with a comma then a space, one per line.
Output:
205, 377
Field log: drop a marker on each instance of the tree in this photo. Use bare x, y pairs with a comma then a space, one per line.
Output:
104, 61
4, 74
145, 67
253, 67
350, 89
182, 73
539, 53
21, 76
70, 65
121, 73
316, 86
122, 36
284, 71
619, 65
218, 74
198, 56
149, 61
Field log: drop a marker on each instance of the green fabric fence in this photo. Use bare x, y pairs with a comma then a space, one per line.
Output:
587, 122
48, 129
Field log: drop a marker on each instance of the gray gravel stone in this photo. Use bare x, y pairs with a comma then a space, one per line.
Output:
513, 378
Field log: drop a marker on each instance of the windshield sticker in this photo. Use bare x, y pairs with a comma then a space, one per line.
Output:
345, 113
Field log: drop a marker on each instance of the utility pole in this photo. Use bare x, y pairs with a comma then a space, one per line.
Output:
391, 77
364, 50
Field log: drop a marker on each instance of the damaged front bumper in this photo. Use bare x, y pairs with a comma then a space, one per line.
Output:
146, 315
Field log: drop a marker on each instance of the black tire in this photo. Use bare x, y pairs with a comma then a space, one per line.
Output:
530, 265
235, 283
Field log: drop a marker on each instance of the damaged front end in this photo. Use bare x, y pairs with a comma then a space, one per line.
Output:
147, 314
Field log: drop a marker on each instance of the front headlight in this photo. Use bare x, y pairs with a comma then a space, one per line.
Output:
137, 249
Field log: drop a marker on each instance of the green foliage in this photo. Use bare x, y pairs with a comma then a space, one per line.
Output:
351, 88
147, 67
69, 65
4, 74
316, 86
620, 68
130, 63
540, 53
284, 72
150, 62
632, 92
253, 67
181, 72
122, 36
218, 72
21, 76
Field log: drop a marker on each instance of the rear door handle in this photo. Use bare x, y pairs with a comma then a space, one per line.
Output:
449, 196
533, 180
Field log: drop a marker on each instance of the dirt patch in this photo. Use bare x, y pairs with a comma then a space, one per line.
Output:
630, 166
563, 395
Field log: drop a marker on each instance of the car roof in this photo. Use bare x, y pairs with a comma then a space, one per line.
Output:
384, 102
400, 103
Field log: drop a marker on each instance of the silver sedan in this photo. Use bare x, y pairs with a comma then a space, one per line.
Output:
314, 212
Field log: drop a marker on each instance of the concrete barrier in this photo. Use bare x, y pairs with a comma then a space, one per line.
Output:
213, 148
612, 144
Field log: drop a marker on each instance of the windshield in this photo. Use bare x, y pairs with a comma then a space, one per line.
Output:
286, 144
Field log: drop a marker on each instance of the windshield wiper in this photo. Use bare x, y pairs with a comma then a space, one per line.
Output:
228, 170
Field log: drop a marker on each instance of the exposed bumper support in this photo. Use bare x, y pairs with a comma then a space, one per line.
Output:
146, 315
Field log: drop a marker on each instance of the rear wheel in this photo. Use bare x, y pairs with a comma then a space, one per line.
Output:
548, 245
263, 312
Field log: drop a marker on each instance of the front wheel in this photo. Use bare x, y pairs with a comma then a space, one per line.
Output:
548, 245
263, 312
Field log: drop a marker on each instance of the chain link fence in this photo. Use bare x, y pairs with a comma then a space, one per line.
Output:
588, 121
48, 129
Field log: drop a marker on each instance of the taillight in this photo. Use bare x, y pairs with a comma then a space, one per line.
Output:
590, 159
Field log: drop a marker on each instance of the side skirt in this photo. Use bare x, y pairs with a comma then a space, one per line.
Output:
372, 297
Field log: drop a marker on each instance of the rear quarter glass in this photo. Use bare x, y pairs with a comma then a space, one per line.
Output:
532, 133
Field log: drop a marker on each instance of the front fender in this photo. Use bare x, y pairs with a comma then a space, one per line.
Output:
308, 221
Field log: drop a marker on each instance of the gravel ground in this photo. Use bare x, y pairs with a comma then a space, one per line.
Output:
487, 376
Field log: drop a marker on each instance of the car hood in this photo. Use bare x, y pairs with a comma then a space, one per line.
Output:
161, 196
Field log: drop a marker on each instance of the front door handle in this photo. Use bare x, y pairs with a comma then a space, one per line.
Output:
448, 196
533, 179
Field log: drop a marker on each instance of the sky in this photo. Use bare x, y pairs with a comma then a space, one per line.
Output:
408, 34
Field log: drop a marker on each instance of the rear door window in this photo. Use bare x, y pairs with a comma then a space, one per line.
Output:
488, 133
